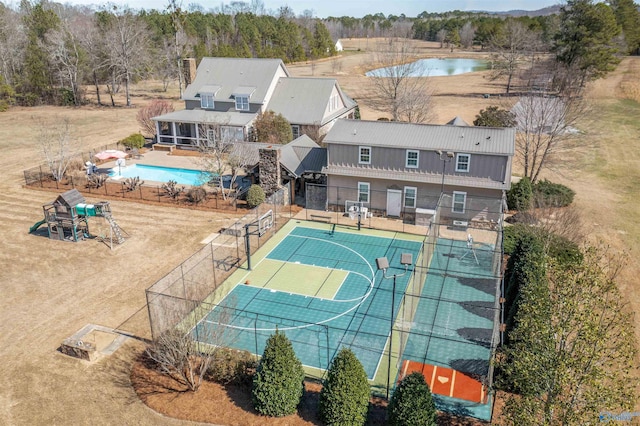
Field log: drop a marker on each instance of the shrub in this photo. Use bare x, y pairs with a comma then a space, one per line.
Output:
255, 196
344, 399
278, 383
232, 366
411, 403
520, 195
494, 116
561, 249
549, 194
272, 127
196, 195
135, 140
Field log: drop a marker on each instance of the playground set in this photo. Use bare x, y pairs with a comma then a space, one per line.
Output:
67, 218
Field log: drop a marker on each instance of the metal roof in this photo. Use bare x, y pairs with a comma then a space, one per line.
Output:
473, 139
303, 155
457, 121
415, 176
233, 73
305, 100
201, 116
249, 150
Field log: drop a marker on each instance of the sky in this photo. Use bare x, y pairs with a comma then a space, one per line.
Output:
355, 8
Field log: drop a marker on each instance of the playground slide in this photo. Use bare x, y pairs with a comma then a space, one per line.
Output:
37, 225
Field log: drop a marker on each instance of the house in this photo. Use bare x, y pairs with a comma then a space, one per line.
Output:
400, 169
228, 94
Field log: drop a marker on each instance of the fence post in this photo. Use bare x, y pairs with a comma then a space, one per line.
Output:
158, 190
41, 183
122, 189
140, 188
72, 183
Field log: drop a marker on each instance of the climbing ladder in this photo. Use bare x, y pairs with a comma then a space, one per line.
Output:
115, 229
104, 209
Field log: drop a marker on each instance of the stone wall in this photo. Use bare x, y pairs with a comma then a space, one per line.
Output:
270, 174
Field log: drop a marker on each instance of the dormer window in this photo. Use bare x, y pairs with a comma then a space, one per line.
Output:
242, 103
206, 101
242, 94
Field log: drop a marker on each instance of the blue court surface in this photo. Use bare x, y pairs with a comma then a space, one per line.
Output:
358, 316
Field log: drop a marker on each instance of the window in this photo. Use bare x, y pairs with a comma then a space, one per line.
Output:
410, 195
412, 159
211, 137
365, 155
459, 201
334, 102
228, 133
462, 162
363, 192
206, 100
242, 103
295, 129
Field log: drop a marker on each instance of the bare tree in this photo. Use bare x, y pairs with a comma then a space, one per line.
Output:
400, 85
57, 144
186, 356
510, 48
239, 158
442, 37
97, 59
544, 124
65, 53
12, 44
214, 151
127, 39
145, 114
467, 34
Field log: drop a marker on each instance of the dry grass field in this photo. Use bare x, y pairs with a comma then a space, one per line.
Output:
52, 289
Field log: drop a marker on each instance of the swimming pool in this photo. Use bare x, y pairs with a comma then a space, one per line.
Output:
160, 174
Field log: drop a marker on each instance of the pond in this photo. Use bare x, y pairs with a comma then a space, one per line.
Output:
437, 67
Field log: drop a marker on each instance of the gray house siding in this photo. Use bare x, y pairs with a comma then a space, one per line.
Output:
222, 106
493, 167
479, 202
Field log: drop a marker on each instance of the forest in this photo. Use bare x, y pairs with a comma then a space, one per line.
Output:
50, 53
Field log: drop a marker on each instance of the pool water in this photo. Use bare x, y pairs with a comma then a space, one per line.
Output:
161, 174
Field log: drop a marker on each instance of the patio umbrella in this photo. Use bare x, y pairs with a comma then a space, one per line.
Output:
110, 153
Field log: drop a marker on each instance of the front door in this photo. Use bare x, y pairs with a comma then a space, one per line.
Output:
394, 202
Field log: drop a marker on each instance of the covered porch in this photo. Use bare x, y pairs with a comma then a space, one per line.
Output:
196, 128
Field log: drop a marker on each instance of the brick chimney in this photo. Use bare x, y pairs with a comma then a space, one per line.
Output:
189, 69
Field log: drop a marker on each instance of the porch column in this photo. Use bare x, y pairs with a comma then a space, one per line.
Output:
197, 134
157, 131
173, 132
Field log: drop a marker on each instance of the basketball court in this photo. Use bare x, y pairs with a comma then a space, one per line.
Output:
321, 286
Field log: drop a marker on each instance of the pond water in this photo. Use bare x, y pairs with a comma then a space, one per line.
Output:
437, 67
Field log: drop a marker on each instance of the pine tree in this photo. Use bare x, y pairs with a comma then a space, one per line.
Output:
278, 384
344, 399
411, 403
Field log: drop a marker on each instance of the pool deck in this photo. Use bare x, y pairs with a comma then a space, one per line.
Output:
159, 158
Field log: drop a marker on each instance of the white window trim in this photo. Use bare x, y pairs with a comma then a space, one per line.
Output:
468, 163
204, 96
360, 148
297, 127
368, 185
453, 201
242, 97
415, 197
406, 160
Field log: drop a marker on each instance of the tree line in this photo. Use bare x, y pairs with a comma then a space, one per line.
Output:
48, 50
